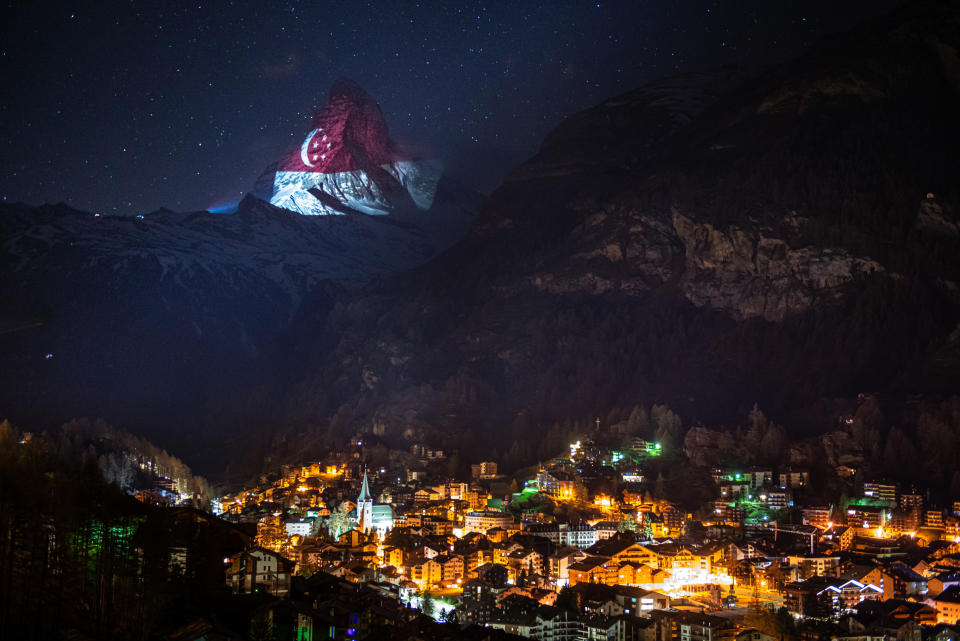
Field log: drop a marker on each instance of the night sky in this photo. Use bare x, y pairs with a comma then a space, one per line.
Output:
124, 107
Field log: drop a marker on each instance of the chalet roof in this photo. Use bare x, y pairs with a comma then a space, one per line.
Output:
705, 620
600, 621
903, 571
486, 567
632, 592
588, 564
858, 571
447, 558
538, 528
710, 547
563, 475
514, 618
950, 595
550, 612
947, 576
889, 606
265, 551
595, 591
814, 584
611, 546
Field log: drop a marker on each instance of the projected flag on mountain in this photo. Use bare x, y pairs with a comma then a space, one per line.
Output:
347, 163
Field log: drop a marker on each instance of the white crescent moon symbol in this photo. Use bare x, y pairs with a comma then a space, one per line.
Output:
305, 148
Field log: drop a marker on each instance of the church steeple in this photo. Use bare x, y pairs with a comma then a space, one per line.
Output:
364, 490
364, 506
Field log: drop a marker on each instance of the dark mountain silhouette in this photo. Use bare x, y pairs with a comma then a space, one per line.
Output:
707, 241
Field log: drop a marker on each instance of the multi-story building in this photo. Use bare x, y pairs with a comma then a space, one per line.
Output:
817, 516
451, 568
606, 529
794, 477
731, 490
526, 560
698, 627
486, 520
948, 606
560, 561
623, 549
593, 569
866, 516
674, 520
456, 490
579, 536
554, 624
811, 565
619, 628
776, 499
840, 536
760, 477
897, 580
305, 527
425, 572
801, 598
846, 596
692, 626
479, 600
495, 574
641, 446
483, 469
911, 500
933, 518
259, 569
951, 528
881, 491
561, 482
903, 520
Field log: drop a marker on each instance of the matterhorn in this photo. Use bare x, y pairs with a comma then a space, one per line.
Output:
348, 164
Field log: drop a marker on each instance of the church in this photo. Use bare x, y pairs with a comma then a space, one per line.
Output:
369, 517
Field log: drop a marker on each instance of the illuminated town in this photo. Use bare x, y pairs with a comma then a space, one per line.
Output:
585, 546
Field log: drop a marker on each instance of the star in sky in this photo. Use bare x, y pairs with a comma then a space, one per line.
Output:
184, 105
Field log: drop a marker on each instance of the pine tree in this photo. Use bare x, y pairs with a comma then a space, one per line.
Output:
427, 606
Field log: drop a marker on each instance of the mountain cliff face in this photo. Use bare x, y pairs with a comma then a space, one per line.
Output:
708, 241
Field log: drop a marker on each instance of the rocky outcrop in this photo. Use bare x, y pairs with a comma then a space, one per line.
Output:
749, 274
840, 448
934, 220
746, 272
706, 447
